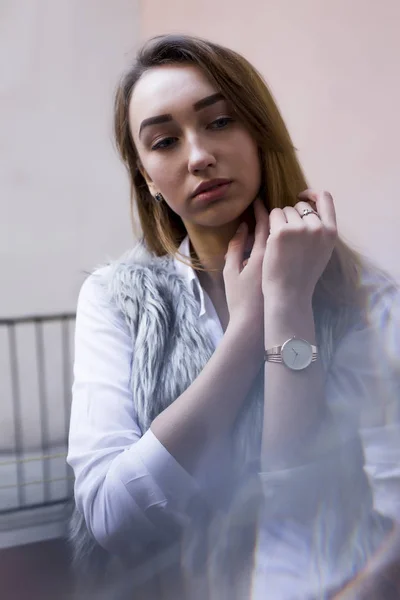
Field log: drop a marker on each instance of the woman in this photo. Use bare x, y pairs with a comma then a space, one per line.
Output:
232, 388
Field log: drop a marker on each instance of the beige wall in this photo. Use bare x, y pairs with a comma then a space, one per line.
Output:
334, 67
63, 198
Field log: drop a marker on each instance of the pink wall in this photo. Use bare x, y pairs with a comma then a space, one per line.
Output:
334, 68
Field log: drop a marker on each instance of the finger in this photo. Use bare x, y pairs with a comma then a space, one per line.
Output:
324, 205
277, 220
261, 232
308, 195
292, 216
234, 256
326, 210
311, 219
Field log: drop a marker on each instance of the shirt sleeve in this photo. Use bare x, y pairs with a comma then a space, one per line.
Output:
127, 485
365, 380
363, 395
329, 516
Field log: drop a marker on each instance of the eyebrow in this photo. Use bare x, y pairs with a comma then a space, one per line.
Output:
199, 105
208, 101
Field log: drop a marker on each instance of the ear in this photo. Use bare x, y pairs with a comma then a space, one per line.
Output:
147, 178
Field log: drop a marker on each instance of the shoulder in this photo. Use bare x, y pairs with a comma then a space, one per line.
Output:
373, 321
95, 307
96, 297
101, 292
383, 315
375, 335
382, 297
99, 279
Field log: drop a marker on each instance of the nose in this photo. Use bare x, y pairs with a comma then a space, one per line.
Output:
200, 157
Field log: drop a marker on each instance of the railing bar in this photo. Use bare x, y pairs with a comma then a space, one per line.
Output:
5, 463
15, 374
9, 511
16, 406
37, 482
36, 319
66, 367
44, 425
67, 392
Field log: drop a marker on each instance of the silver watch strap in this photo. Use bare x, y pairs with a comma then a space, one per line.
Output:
274, 354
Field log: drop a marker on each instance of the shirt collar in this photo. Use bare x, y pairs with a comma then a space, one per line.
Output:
189, 275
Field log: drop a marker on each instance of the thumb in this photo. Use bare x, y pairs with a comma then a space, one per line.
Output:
234, 256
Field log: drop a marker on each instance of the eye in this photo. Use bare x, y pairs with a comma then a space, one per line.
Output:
164, 144
221, 123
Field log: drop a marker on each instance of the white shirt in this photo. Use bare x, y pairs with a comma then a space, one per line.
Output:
127, 485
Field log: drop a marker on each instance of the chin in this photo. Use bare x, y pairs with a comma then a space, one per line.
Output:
216, 223
221, 216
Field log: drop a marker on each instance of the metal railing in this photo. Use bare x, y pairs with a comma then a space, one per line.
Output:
33, 435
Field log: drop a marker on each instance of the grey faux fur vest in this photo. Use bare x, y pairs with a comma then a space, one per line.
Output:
170, 349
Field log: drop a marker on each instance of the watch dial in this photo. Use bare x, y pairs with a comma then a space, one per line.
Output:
297, 354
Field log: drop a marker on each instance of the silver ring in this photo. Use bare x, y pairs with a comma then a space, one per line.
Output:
309, 211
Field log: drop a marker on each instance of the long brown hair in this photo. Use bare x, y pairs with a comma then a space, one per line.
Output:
251, 99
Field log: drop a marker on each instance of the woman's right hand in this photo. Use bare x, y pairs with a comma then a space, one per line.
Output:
243, 279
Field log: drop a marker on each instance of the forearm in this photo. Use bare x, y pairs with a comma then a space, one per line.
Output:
305, 444
208, 408
294, 400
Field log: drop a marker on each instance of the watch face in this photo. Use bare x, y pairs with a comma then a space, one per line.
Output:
297, 354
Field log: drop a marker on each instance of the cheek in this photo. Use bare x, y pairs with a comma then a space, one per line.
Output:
161, 171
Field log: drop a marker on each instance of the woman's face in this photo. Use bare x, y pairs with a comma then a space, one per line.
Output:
186, 134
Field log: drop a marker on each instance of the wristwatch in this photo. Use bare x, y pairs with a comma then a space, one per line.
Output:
295, 353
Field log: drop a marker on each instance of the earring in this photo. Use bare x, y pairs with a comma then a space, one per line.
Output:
158, 197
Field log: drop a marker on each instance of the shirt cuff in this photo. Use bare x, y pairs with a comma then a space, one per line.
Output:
333, 479
177, 485
158, 484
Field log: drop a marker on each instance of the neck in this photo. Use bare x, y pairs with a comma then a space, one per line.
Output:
210, 245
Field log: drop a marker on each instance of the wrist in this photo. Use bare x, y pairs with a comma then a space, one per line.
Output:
287, 302
284, 319
248, 331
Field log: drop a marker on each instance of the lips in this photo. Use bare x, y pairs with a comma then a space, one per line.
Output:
212, 184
